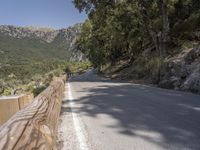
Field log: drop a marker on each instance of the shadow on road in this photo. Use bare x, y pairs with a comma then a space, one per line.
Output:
173, 116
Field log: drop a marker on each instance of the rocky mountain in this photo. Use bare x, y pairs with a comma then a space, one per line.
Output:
30, 57
59, 42
48, 35
21, 48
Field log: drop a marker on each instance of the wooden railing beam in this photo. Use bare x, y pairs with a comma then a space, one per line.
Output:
35, 126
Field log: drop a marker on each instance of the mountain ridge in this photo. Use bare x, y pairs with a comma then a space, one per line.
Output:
43, 33
25, 46
30, 57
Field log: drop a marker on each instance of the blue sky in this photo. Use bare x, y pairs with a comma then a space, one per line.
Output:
41, 13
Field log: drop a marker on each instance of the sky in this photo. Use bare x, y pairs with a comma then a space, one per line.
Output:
40, 13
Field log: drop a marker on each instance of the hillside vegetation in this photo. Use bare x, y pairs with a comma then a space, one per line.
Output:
19, 55
143, 40
30, 58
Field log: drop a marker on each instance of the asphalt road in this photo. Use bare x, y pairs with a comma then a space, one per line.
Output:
100, 114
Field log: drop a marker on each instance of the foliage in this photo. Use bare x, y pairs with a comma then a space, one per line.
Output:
29, 65
121, 28
78, 67
38, 90
147, 68
38, 76
153, 68
139, 67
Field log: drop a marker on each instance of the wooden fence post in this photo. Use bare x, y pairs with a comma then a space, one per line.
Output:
8, 107
35, 126
12, 104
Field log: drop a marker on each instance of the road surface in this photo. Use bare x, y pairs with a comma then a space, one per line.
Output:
99, 114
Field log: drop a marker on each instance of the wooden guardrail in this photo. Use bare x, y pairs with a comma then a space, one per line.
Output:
35, 126
12, 104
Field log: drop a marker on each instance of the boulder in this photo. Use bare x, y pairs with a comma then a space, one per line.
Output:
192, 83
182, 72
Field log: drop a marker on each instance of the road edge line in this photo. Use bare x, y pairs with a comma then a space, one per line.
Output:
77, 125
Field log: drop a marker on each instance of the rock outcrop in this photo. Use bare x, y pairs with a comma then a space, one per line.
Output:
182, 72
45, 34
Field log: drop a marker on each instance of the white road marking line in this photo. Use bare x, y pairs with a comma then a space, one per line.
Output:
77, 124
63, 129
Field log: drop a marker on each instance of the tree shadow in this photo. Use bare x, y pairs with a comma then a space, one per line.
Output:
141, 110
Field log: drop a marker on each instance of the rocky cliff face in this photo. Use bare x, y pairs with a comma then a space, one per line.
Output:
45, 34
23, 32
182, 72
65, 35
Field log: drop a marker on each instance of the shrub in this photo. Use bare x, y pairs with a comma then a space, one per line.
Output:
36, 91
139, 67
153, 67
147, 68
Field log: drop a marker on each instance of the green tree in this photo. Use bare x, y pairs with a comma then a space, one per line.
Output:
125, 28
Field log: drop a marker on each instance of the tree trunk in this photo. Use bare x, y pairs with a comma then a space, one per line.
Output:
159, 38
165, 27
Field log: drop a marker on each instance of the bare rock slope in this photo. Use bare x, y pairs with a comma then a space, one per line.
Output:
182, 72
